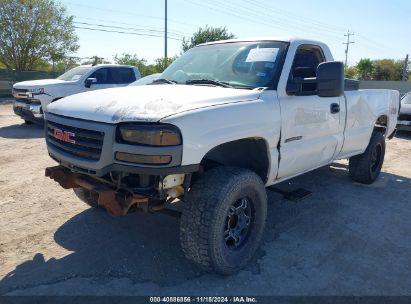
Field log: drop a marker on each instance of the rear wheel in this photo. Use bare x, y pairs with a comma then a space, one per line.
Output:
365, 168
86, 196
223, 219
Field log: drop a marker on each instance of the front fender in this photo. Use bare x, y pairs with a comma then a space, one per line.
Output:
206, 128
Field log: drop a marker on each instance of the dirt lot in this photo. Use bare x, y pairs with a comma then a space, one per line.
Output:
344, 239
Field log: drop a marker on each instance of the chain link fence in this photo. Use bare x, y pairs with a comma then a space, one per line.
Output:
9, 77
402, 86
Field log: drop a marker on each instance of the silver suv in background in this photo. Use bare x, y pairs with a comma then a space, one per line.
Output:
404, 118
146, 80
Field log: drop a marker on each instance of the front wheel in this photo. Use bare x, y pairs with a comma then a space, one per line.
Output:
223, 219
365, 168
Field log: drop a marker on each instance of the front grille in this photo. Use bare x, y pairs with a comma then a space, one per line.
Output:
406, 117
88, 143
20, 90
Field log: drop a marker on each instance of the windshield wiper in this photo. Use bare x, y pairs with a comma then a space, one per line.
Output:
209, 81
164, 80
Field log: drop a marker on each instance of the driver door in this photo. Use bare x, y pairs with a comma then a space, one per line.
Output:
309, 131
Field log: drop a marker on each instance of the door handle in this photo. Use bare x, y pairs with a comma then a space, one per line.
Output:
334, 108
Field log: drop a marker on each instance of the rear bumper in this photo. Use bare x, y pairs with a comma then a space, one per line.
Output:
404, 125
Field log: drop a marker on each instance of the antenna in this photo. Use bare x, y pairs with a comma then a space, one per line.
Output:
405, 69
165, 28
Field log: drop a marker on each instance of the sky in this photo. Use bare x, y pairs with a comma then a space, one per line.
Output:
381, 28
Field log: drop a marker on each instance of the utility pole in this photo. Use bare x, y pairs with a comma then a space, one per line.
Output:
348, 35
405, 69
165, 28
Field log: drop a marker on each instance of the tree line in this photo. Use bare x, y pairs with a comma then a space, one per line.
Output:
381, 69
202, 35
40, 35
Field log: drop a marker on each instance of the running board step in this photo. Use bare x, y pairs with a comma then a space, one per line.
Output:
296, 195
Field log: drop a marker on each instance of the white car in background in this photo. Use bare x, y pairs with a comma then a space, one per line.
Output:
404, 119
32, 97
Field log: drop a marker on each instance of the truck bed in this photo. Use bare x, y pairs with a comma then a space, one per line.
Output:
363, 107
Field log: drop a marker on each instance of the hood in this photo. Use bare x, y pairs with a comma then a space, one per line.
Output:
145, 103
37, 83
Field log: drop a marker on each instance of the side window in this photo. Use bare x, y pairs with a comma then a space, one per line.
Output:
305, 65
122, 75
102, 76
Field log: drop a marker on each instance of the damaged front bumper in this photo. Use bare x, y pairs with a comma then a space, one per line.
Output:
107, 197
117, 201
85, 151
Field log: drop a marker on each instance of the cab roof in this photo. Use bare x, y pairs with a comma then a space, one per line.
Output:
108, 65
269, 38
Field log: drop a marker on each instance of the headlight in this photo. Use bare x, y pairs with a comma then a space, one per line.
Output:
37, 91
149, 135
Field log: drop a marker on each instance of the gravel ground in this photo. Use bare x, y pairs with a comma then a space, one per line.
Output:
344, 239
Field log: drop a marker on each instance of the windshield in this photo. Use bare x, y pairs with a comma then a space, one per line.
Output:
238, 64
74, 74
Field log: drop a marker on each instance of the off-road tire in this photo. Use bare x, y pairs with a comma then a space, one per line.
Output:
86, 196
365, 168
205, 214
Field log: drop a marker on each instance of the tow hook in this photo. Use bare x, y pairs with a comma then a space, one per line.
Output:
173, 184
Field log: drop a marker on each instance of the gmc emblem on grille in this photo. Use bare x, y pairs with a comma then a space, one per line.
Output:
64, 135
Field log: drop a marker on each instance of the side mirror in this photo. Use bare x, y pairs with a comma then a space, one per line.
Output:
89, 82
330, 79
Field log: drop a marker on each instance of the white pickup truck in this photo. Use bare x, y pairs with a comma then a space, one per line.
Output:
32, 97
224, 121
